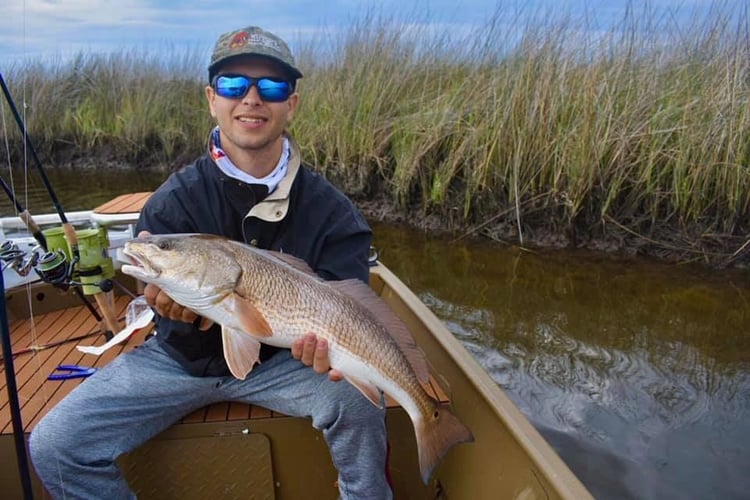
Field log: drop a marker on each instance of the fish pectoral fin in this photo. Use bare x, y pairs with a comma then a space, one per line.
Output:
370, 391
241, 351
250, 317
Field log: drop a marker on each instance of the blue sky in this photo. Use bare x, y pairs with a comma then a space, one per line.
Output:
53, 28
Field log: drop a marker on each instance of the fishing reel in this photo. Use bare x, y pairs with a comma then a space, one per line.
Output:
15, 258
51, 267
54, 267
87, 266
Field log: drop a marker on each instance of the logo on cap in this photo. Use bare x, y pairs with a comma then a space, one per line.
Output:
245, 38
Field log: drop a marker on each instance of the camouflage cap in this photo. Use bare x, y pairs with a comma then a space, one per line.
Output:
252, 41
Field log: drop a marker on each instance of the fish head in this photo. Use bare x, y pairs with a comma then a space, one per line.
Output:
195, 270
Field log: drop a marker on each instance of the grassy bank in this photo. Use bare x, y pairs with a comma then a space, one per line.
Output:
636, 138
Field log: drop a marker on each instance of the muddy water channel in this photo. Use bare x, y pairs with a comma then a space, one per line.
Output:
638, 373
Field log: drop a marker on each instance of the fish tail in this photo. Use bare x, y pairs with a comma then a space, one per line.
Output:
436, 434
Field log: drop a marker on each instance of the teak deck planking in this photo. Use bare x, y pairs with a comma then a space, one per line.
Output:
124, 204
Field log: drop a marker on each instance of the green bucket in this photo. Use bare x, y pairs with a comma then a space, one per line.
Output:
55, 237
89, 248
93, 257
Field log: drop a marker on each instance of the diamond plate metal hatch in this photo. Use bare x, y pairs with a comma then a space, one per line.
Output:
214, 467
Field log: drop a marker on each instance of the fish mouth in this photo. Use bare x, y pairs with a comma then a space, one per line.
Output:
135, 264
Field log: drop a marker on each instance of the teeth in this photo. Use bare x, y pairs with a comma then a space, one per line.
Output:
250, 120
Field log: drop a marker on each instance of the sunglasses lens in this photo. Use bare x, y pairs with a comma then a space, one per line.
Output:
273, 90
237, 86
232, 87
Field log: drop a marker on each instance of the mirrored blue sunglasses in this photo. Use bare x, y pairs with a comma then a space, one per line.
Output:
237, 86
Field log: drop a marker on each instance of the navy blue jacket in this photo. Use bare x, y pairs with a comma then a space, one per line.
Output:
306, 216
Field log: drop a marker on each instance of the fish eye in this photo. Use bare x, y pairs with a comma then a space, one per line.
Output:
164, 245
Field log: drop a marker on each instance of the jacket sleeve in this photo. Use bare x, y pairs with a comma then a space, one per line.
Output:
164, 214
345, 248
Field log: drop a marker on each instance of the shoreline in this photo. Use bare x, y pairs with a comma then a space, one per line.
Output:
664, 244
676, 245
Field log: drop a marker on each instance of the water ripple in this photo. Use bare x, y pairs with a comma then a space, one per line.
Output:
629, 408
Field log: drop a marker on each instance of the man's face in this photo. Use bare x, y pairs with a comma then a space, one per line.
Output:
250, 125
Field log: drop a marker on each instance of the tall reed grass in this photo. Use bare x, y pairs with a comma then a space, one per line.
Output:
543, 126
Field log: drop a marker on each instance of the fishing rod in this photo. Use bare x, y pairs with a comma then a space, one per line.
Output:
7, 349
69, 231
37, 347
13, 402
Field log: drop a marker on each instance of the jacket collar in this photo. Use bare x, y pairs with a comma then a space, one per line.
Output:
275, 206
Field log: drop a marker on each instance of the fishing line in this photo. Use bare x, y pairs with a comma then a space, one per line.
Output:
70, 235
12, 389
10, 377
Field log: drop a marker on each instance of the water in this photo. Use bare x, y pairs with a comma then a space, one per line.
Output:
75, 188
637, 372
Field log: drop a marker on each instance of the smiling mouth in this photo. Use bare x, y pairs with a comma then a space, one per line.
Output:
254, 120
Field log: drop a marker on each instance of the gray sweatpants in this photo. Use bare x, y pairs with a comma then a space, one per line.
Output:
142, 392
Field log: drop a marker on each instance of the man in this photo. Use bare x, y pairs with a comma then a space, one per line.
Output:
250, 187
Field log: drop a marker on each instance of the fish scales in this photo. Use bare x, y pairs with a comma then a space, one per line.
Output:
291, 310
292, 315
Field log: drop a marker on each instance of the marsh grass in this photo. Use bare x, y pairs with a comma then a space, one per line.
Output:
640, 132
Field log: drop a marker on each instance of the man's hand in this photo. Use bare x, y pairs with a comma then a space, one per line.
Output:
313, 351
165, 306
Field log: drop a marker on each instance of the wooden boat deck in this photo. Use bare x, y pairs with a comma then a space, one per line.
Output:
38, 395
124, 204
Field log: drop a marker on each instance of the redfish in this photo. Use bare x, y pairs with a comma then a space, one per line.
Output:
261, 296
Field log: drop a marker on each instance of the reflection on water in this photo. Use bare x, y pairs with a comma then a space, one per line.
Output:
638, 373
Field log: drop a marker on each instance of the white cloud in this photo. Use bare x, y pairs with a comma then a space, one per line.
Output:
29, 28
83, 13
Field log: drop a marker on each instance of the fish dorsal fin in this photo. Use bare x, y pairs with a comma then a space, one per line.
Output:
251, 319
363, 294
241, 351
294, 262
366, 388
285, 258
